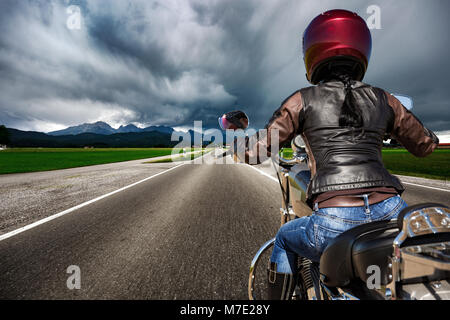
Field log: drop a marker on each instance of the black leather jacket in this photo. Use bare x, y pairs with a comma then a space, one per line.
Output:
343, 158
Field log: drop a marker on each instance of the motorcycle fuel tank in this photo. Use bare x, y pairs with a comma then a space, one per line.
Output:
299, 177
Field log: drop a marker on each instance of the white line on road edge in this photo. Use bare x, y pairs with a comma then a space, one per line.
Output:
262, 172
413, 184
420, 185
57, 215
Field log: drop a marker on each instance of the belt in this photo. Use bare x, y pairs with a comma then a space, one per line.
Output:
354, 200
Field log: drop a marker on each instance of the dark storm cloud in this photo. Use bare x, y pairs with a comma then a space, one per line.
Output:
173, 62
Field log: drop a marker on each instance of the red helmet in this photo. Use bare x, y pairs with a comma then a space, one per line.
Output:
339, 37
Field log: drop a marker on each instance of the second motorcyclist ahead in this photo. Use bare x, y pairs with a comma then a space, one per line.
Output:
343, 122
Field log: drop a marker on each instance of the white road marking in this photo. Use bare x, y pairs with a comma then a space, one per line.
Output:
413, 184
263, 173
57, 215
420, 185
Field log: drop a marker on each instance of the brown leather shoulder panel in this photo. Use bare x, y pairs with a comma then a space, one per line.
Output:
409, 131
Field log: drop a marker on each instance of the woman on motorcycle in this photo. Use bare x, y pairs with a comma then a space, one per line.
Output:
343, 123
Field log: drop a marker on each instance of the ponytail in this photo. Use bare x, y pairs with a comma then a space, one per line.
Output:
350, 112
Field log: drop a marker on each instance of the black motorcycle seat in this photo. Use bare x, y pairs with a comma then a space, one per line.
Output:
349, 255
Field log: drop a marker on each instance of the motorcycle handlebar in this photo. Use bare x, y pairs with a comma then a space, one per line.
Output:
282, 161
288, 162
224, 154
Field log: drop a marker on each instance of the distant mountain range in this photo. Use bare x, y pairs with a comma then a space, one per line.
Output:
102, 135
98, 135
101, 127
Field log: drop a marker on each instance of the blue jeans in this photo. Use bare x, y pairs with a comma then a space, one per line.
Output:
309, 236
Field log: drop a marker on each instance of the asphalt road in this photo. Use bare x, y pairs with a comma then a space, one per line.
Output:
28, 197
189, 233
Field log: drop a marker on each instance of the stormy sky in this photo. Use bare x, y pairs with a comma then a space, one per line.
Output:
172, 62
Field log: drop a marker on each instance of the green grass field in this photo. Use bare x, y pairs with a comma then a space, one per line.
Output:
400, 161
36, 159
397, 161
435, 166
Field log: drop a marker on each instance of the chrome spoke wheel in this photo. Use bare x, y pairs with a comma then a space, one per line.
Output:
257, 281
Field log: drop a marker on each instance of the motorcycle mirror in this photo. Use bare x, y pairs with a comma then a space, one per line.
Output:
234, 120
406, 101
298, 142
298, 145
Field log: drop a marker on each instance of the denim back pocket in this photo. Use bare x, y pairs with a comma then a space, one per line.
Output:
388, 209
323, 236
